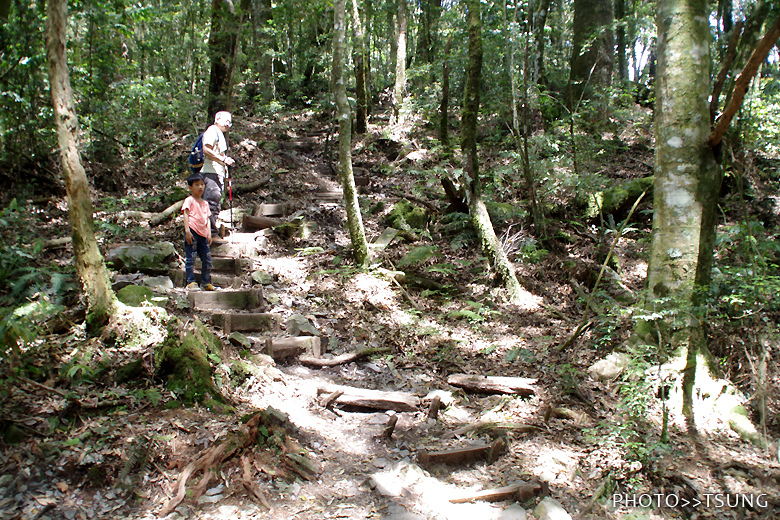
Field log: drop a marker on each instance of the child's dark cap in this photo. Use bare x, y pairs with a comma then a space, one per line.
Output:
192, 179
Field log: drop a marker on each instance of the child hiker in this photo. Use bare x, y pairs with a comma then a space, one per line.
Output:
197, 234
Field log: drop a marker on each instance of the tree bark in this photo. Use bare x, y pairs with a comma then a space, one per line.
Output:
400, 63
593, 52
361, 92
687, 182
223, 41
357, 233
90, 265
444, 123
491, 247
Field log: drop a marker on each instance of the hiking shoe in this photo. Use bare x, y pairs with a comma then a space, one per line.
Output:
209, 287
193, 286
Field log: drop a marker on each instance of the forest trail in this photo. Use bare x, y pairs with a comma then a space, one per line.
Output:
331, 454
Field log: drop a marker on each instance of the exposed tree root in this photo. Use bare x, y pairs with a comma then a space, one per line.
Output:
214, 456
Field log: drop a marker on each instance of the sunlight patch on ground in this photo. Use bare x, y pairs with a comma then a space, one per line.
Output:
378, 292
528, 301
556, 465
292, 271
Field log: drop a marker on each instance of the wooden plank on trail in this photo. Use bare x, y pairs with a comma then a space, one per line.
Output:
255, 223
383, 240
271, 210
493, 384
462, 456
374, 399
518, 492
330, 196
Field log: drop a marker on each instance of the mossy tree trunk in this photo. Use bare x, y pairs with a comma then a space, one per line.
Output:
491, 247
361, 90
90, 265
400, 63
223, 42
354, 219
687, 182
593, 53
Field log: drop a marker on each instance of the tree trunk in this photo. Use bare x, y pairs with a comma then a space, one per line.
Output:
223, 41
491, 247
444, 125
354, 220
687, 181
593, 52
264, 42
361, 124
90, 265
400, 64
540, 21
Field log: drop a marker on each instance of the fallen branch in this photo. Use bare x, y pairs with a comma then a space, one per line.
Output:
252, 186
166, 214
342, 359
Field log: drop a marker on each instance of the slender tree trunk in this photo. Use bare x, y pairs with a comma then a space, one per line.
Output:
491, 247
400, 63
540, 22
264, 43
354, 219
223, 40
687, 182
90, 265
620, 40
444, 125
361, 116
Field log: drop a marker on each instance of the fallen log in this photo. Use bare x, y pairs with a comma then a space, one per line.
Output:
493, 384
251, 223
251, 186
374, 399
166, 214
517, 492
342, 359
462, 456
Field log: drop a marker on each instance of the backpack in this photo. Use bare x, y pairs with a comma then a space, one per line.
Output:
196, 155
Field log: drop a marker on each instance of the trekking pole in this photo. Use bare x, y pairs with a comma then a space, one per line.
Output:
230, 196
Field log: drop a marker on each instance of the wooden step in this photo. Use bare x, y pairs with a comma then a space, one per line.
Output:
223, 281
249, 299
222, 264
272, 210
247, 245
248, 322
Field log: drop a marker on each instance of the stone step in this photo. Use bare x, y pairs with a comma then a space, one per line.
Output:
223, 281
248, 299
248, 322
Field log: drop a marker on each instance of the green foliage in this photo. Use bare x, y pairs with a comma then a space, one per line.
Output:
459, 227
475, 313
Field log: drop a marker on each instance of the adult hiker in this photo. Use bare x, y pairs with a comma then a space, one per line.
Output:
215, 165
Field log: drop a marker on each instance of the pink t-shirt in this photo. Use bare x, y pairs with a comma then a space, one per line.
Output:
199, 215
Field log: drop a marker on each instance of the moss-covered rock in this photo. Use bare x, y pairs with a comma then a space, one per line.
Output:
620, 197
407, 217
184, 361
135, 295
